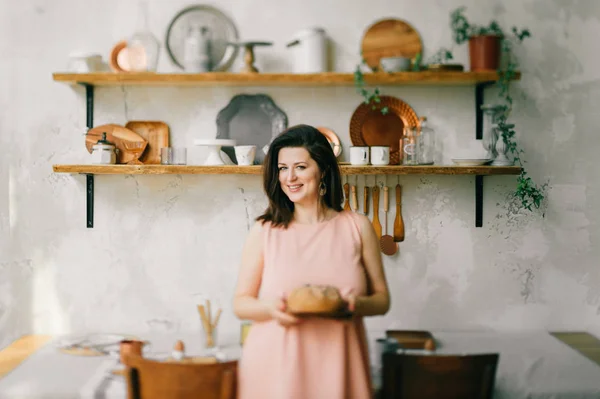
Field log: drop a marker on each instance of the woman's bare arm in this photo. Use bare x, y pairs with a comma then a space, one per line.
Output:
246, 304
378, 301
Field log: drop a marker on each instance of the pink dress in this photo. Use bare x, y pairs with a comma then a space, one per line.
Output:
318, 358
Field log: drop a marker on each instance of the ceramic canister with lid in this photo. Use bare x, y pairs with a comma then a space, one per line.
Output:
103, 152
310, 51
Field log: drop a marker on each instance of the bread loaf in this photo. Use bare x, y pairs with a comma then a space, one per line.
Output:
311, 298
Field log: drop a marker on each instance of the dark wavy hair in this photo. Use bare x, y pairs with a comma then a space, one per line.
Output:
280, 210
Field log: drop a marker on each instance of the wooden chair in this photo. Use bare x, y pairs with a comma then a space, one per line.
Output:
149, 379
407, 376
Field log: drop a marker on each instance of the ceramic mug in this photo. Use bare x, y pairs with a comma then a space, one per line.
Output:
380, 155
245, 154
359, 155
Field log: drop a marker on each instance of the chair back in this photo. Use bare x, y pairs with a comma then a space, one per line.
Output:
407, 376
149, 379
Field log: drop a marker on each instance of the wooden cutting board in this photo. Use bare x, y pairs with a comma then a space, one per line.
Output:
119, 136
157, 134
412, 339
390, 38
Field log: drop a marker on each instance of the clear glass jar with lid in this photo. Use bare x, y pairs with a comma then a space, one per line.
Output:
426, 152
410, 146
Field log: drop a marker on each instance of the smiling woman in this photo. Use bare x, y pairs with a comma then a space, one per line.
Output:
304, 238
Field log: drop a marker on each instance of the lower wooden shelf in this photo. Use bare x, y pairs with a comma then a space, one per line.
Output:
257, 170
477, 171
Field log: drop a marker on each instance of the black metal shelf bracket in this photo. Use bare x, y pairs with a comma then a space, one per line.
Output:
478, 201
89, 178
479, 98
479, 89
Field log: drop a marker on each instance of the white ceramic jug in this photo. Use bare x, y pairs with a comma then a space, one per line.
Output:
310, 51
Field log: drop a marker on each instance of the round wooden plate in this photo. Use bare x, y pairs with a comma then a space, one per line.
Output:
390, 38
370, 127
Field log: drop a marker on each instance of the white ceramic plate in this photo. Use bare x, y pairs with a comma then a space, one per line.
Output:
470, 161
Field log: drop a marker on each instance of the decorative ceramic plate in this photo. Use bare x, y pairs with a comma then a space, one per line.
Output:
370, 127
390, 38
470, 162
333, 139
221, 29
250, 119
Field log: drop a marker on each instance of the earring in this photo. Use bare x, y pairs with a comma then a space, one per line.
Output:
322, 188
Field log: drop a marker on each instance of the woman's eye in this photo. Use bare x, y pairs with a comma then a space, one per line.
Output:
301, 167
281, 168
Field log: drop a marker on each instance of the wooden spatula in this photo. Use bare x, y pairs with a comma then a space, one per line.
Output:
347, 195
398, 222
376, 224
387, 243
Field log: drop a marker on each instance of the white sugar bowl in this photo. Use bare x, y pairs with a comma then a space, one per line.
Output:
103, 152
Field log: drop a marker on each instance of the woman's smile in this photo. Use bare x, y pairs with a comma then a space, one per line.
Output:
299, 175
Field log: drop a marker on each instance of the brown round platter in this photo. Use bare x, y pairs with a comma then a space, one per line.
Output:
370, 127
389, 38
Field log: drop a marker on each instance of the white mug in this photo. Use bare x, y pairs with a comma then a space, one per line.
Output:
244, 154
380, 155
359, 155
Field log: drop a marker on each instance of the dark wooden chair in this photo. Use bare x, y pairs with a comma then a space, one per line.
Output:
149, 379
407, 376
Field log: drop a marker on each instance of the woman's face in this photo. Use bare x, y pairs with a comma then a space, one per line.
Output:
299, 175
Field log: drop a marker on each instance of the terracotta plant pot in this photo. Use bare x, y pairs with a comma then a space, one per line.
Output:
484, 52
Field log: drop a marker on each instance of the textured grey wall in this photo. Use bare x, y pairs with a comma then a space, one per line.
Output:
160, 242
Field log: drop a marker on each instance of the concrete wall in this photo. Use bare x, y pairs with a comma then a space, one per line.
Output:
161, 242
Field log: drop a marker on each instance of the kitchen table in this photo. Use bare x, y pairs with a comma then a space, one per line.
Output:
532, 364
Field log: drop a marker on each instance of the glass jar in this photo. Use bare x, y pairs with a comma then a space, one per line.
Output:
143, 47
426, 151
410, 146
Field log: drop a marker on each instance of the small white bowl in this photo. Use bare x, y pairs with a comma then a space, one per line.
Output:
395, 64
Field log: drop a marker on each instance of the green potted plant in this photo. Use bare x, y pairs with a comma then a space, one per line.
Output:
491, 48
486, 43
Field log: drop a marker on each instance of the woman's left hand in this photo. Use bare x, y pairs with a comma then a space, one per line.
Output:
350, 300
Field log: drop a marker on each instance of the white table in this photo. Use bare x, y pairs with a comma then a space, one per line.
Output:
532, 365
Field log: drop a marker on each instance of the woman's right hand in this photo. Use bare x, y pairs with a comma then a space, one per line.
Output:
277, 310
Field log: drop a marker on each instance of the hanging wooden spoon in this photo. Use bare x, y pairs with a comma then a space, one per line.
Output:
354, 199
347, 196
376, 224
387, 243
366, 200
398, 222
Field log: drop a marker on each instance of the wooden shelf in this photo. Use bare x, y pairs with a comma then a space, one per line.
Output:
257, 170
275, 79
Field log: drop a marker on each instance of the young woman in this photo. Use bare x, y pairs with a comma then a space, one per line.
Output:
304, 237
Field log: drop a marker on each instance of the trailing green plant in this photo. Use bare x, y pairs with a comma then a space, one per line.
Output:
441, 56
528, 192
369, 97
